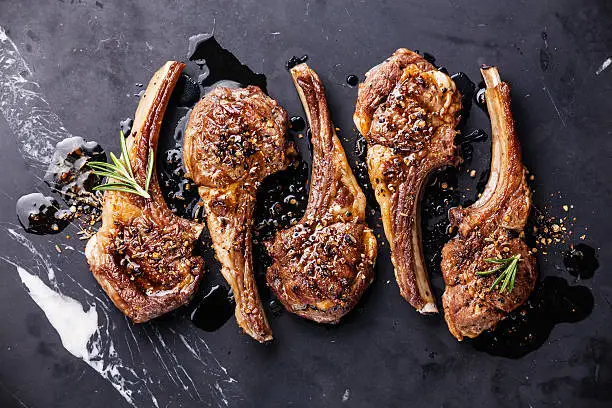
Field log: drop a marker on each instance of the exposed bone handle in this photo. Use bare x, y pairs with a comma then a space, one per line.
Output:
233, 248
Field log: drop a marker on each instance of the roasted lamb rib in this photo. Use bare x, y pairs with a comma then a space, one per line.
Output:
142, 255
234, 139
407, 110
323, 264
488, 269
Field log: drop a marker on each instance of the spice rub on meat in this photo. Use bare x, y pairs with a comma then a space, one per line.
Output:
407, 110
323, 264
234, 139
142, 255
488, 269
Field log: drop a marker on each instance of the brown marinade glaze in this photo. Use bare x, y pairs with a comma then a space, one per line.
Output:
490, 228
142, 255
234, 139
408, 111
322, 265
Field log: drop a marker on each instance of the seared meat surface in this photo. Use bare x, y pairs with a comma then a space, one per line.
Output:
490, 229
323, 264
234, 139
142, 255
407, 111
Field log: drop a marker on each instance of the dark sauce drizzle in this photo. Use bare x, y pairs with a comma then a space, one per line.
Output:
440, 195
467, 89
218, 64
69, 176
126, 126
68, 173
352, 80
293, 61
442, 192
39, 214
180, 193
479, 97
527, 328
581, 261
297, 123
281, 203
213, 309
360, 170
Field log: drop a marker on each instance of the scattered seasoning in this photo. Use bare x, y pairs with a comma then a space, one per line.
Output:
554, 227
551, 230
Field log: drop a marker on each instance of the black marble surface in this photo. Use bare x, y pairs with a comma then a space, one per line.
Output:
88, 56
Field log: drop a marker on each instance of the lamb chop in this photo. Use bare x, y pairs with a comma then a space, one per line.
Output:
234, 139
323, 264
407, 111
142, 255
488, 269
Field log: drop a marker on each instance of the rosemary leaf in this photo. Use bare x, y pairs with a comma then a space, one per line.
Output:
109, 187
512, 269
490, 271
507, 274
114, 176
149, 169
507, 277
124, 152
513, 278
497, 260
120, 166
499, 278
119, 173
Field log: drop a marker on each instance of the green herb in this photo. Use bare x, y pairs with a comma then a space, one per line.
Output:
120, 175
508, 266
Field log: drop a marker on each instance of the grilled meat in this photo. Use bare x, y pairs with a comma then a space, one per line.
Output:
323, 264
234, 139
407, 111
142, 255
489, 229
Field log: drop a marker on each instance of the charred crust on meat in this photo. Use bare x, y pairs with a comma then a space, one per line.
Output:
155, 258
238, 131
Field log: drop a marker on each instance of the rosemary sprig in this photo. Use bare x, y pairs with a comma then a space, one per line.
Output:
508, 266
120, 176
